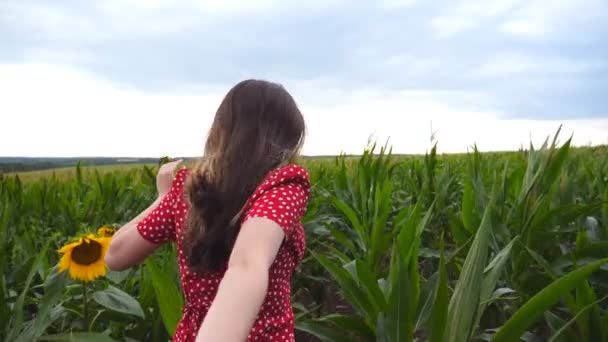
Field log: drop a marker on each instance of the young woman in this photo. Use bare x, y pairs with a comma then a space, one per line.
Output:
236, 219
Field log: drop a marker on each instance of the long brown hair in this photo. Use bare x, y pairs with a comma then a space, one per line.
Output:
257, 127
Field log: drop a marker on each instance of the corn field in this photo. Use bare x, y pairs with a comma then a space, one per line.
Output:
474, 247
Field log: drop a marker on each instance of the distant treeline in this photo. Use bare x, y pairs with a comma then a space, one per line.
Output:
22, 164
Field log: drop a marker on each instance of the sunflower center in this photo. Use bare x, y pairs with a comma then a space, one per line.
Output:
88, 252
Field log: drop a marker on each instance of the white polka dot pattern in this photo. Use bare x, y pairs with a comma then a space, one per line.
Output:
282, 197
284, 203
159, 225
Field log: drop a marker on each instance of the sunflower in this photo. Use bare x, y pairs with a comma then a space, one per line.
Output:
106, 231
85, 257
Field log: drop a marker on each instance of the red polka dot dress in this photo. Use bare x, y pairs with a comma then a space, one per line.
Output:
282, 196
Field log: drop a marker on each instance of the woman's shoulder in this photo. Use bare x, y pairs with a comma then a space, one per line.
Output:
182, 172
179, 180
287, 173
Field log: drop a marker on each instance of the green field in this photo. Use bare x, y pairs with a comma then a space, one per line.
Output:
470, 247
66, 173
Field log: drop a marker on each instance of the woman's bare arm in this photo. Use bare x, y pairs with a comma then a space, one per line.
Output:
245, 283
128, 247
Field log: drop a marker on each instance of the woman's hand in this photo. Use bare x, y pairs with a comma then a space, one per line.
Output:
164, 178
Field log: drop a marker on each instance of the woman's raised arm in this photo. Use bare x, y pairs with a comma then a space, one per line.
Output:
141, 236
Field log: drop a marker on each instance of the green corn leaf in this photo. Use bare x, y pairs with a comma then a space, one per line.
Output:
323, 331
370, 283
77, 337
351, 268
401, 217
427, 296
491, 276
343, 240
555, 165
351, 215
459, 233
53, 292
465, 300
352, 292
552, 274
169, 297
344, 259
555, 323
379, 237
533, 308
364, 191
588, 322
397, 325
555, 337
567, 213
468, 206
425, 220
593, 249
414, 288
19, 304
409, 237
437, 326
352, 324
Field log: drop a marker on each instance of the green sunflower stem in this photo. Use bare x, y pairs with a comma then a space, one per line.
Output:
85, 304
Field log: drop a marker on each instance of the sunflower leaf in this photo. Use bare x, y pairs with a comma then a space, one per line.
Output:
118, 277
118, 300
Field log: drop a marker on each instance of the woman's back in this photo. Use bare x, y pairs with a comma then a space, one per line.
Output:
282, 197
236, 219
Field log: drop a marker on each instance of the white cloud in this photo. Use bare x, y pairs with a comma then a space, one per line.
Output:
463, 16
57, 111
525, 27
519, 17
215, 7
514, 64
406, 118
58, 56
49, 21
448, 26
541, 17
107, 20
393, 4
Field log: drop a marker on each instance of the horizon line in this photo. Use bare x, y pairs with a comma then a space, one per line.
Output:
303, 156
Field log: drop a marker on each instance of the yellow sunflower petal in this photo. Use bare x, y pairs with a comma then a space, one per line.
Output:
64, 262
85, 258
106, 231
69, 246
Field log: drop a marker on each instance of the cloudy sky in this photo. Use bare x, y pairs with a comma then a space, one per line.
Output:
144, 77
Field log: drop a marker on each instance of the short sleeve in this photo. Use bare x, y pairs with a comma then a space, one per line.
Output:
284, 200
159, 225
